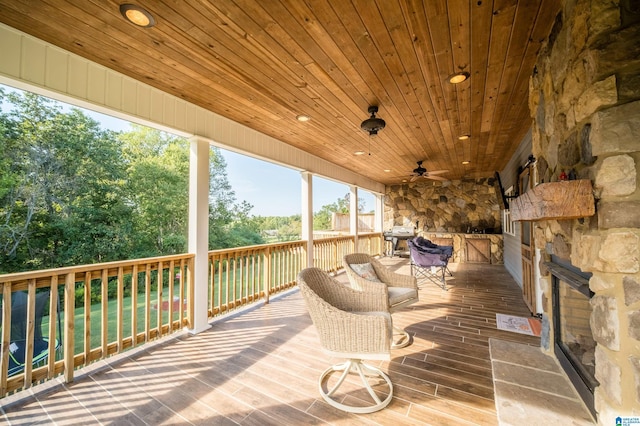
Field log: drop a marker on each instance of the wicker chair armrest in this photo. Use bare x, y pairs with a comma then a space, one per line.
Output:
393, 279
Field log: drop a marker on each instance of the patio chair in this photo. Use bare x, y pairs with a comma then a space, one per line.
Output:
428, 264
367, 274
431, 247
354, 325
19, 324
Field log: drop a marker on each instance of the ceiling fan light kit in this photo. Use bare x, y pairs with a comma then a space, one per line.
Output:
373, 124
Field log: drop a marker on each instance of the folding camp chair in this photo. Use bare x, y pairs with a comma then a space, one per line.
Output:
428, 265
428, 246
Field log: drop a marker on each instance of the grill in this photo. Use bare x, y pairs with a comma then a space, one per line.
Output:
397, 234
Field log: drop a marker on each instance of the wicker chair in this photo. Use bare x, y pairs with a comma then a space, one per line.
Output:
401, 290
353, 325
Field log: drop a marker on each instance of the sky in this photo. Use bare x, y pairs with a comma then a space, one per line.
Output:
273, 190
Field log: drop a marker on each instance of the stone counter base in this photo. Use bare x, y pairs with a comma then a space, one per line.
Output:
470, 248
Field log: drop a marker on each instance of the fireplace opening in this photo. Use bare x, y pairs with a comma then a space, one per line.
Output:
574, 345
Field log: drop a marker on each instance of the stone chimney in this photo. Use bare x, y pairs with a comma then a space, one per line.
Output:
585, 104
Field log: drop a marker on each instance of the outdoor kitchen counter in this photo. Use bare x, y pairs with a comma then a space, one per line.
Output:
470, 248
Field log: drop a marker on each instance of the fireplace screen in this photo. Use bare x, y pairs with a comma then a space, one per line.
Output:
575, 331
573, 340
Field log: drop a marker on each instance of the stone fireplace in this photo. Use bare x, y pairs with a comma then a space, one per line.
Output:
585, 104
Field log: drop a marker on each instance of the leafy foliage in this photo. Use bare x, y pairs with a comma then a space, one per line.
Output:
72, 193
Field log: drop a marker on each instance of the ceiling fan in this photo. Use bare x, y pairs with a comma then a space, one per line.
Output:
420, 171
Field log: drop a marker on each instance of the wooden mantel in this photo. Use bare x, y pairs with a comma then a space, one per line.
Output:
555, 200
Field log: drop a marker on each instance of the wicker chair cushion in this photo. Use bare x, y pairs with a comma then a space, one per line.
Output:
366, 271
400, 294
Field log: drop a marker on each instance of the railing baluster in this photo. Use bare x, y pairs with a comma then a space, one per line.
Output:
147, 302
120, 309
171, 294
159, 309
53, 333
181, 293
105, 312
87, 316
31, 315
134, 305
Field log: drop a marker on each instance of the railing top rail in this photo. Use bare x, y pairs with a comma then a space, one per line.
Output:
258, 247
42, 273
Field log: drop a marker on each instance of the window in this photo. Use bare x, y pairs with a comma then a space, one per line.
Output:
508, 226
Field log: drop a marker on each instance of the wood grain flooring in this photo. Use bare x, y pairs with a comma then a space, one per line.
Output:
261, 366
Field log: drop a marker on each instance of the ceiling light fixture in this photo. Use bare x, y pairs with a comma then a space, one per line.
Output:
466, 162
358, 153
459, 77
373, 125
303, 118
463, 137
137, 15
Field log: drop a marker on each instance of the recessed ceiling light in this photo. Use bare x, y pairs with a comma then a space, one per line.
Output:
459, 77
359, 153
387, 170
303, 118
466, 162
137, 15
463, 137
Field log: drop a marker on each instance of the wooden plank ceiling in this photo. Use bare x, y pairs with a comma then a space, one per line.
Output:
263, 62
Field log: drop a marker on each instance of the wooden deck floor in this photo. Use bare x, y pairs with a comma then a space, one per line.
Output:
261, 367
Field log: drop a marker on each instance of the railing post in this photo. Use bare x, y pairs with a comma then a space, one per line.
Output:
191, 291
6, 337
69, 327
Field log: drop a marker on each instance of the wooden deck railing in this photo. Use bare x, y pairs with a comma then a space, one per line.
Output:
104, 309
120, 305
242, 275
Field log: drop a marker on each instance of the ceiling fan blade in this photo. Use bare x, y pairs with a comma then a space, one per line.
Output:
413, 179
437, 172
436, 178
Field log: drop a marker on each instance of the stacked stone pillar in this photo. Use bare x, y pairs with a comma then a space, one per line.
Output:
585, 104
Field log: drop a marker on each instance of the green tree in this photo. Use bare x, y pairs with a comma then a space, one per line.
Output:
229, 221
71, 193
158, 190
62, 172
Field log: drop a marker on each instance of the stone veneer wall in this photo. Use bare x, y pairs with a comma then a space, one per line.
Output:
585, 103
453, 206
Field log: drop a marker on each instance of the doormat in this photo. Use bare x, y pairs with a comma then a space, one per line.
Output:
522, 325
